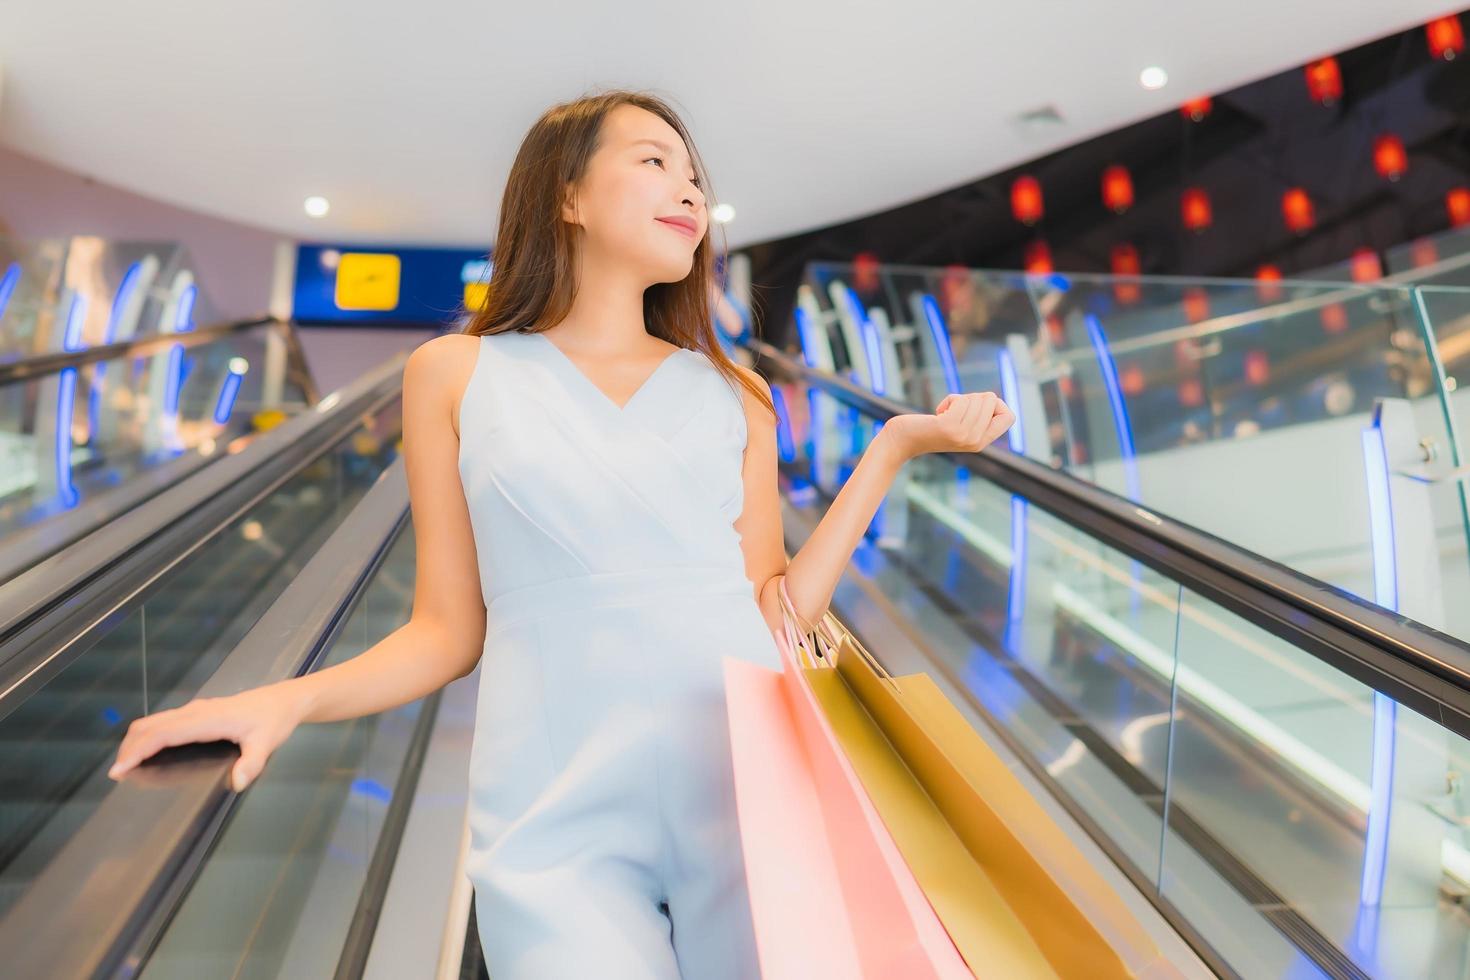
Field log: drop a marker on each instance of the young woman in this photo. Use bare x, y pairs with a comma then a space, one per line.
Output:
593, 480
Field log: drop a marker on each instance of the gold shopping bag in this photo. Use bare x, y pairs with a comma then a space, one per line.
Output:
968, 828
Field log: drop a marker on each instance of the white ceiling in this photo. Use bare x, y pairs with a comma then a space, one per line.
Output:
406, 115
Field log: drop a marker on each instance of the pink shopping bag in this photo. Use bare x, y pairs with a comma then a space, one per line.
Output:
831, 895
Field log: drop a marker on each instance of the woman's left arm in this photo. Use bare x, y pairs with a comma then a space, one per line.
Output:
960, 423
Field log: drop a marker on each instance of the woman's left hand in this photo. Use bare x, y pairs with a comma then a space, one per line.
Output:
964, 423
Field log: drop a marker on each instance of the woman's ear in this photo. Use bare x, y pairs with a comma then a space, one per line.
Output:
569, 206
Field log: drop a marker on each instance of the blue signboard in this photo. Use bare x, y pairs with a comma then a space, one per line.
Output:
358, 285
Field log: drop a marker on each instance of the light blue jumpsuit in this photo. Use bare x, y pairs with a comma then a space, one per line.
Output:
600, 782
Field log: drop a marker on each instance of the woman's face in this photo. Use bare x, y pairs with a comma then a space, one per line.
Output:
639, 174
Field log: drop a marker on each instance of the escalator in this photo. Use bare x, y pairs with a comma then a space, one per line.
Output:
91, 433
303, 562
1273, 775
1087, 635
140, 613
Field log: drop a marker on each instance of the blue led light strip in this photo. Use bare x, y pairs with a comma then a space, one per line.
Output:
1114, 392
1385, 711
939, 332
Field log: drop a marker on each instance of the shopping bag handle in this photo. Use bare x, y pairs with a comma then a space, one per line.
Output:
829, 631
819, 644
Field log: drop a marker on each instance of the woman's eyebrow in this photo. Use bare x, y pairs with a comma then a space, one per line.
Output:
658, 143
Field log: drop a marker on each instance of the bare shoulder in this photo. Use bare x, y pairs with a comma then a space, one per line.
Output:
447, 348
438, 371
755, 410
755, 378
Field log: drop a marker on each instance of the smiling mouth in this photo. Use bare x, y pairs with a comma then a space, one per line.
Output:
689, 233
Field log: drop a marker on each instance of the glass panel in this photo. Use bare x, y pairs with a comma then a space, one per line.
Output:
30, 275
85, 291
1433, 481
53, 750
1446, 312
1231, 771
1289, 418
73, 436
1326, 803
1065, 642
1442, 259
278, 893
154, 654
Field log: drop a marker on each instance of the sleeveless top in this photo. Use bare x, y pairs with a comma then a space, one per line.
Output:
575, 501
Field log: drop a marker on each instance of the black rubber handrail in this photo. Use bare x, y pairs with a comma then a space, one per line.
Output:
1417, 666
40, 365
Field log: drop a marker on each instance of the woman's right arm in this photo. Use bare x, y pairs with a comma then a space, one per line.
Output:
441, 641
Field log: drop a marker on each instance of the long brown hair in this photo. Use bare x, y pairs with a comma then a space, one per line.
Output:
531, 287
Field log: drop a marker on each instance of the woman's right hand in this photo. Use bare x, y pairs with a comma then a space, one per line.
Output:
258, 720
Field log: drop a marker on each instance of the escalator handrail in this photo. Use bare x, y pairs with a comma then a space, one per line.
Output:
43, 609
1418, 666
40, 365
101, 904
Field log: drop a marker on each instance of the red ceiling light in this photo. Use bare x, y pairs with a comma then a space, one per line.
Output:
1334, 318
957, 290
1132, 380
1423, 252
1191, 393
1026, 201
1268, 283
1126, 263
1446, 38
1257, 367
1390, 158
1457, 203
1195, 209
1196, 304
1125, 260
1297, 210
865, 272
1038, 258
1197, 109
1324, 81
1117, 189
1365, 265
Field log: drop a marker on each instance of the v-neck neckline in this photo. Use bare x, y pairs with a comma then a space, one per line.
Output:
571, 365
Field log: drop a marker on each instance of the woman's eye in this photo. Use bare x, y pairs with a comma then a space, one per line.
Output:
692, 180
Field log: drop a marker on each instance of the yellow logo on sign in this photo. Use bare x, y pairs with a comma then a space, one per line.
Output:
475, 294
367, 281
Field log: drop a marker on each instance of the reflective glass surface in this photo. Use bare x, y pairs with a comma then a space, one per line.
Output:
1299, 823
277, 896
71, 437
160, 645
1311, 423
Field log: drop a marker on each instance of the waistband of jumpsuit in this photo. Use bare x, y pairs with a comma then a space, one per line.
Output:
636, 587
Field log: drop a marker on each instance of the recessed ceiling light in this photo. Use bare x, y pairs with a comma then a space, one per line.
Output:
722, 213
316, 206
1153, 78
